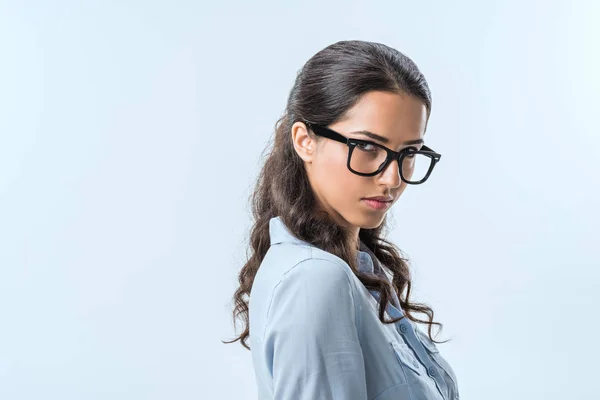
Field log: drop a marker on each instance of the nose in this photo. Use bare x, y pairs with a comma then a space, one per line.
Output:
391, 174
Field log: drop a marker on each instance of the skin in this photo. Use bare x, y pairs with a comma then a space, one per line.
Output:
397, 117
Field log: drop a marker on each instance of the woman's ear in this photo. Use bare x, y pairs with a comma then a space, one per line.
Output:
304, 144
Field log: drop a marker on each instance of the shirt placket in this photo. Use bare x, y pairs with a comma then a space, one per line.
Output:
404, 327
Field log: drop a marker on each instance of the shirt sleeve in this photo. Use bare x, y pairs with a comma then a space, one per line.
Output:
311, 335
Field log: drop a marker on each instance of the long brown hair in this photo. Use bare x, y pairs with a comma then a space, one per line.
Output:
329, 84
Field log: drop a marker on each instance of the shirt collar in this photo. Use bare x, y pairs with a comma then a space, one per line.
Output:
279, 233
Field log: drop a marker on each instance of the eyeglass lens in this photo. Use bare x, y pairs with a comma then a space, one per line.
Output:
367, 158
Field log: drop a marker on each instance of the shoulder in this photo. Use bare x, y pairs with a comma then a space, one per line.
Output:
315, 284
314, 292
292, 262
321, 273
290, 270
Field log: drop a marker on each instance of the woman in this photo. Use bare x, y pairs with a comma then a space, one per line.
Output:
328, 322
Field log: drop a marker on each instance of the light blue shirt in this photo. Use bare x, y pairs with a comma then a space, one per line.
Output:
315, 333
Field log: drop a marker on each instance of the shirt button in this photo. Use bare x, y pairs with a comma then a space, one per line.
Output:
431, 371
403, 328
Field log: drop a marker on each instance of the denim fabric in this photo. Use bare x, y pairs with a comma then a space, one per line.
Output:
315, 333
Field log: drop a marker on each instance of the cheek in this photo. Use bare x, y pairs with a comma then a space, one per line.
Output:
341, 185
334, 163
334, 177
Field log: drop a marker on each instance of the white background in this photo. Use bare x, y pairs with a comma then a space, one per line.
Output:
131, 133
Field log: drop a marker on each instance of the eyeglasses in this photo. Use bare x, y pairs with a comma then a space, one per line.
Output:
367, 158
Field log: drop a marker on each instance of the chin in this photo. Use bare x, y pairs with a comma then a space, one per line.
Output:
373, 225
368, 221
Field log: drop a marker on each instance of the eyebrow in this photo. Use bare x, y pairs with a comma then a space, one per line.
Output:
384, 139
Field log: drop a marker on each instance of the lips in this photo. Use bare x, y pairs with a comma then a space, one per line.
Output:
376, 204
380, 198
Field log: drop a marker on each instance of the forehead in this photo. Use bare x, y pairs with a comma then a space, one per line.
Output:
396, 116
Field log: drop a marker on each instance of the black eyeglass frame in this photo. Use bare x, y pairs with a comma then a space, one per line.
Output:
391, 154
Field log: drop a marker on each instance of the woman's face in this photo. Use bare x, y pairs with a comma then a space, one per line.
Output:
399, 118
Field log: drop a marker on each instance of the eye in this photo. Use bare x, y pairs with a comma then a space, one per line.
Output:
366, 147
410, 152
